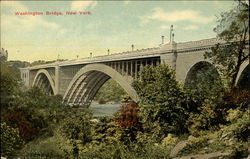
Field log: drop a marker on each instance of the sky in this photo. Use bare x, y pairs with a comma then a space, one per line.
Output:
113, 25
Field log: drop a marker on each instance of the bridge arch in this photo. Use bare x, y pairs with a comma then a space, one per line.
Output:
89, 79
44, 81
198, 70
243, 77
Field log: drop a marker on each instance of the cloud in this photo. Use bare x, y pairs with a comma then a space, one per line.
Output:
164, 26
126, 2
25, 21
191, 27
179, 15
14, 6
81, 5
93, 26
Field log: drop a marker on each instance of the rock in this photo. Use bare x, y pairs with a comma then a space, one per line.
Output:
214, 155
191, 138
178, 148
95, 120
248, 157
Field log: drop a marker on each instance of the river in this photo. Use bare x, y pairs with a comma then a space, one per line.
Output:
100, 110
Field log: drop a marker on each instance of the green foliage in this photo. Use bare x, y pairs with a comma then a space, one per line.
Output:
233, 28
209, 116
213, 110
16, 65
240, 123
111, 91
33, 112
161, 99
195, 145
169, 140
120, 151
203, 83
41, 62
101, 151
77, 129
9, 85
232, 137
10, 139
50, 147
240, 150
77, 125
105, 131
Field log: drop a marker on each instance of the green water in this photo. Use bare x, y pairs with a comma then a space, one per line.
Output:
100, 110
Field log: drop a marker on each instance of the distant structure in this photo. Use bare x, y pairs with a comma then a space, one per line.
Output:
4, 54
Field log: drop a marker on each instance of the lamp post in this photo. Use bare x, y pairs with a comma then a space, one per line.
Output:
171, 30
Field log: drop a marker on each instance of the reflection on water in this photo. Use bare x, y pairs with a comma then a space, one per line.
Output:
100, 110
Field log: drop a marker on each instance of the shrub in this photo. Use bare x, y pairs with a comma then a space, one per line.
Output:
47, 147
208, 117
10, 139
161, 99
27, 129
128, 115
77, 128
240, 124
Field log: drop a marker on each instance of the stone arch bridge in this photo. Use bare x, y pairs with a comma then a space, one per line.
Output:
79, 80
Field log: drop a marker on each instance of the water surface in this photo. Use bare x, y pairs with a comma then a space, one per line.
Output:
100, 110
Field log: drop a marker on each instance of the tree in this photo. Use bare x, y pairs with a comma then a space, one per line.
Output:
16, 65
233, 28
9, 84
33, 113
161, 99
111, 91
128, 120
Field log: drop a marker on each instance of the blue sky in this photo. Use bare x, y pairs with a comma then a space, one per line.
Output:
114, 25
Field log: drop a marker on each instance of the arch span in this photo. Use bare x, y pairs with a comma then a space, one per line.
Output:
244, 77
89, 79
243, 67
202, 71
38, 80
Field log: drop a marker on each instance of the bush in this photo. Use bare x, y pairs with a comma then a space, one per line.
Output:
77, 128
27, 129
208, 117
47, 147
34, 112
10, 139
161, 99
240, 124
